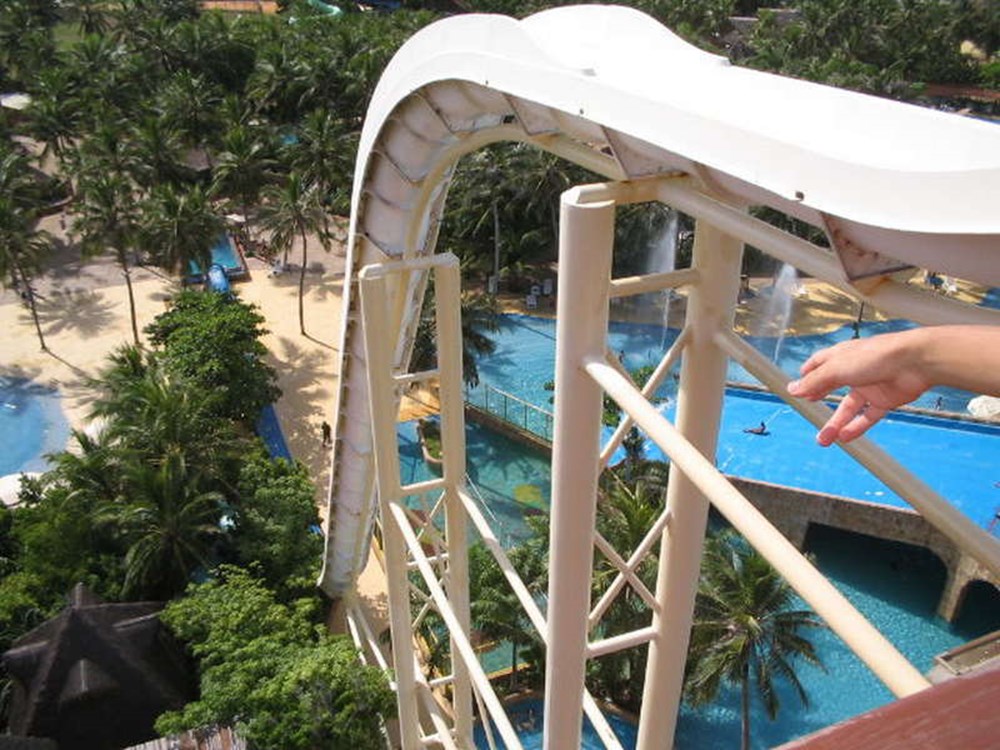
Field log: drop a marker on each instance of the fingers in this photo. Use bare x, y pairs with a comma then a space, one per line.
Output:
819, 377
853, 418
815, 385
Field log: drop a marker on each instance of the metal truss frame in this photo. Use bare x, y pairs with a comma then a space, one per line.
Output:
440, 711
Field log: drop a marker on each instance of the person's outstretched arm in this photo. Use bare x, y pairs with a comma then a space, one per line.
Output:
892, 369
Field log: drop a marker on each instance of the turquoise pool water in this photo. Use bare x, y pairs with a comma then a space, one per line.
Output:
500, 470
528, 714
895, 586
957, 459
525, 355
224, 253
32, 424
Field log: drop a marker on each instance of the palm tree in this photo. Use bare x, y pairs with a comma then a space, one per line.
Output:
26, 41
323, 154
107, 152
90, 16
106, 217
244, 166
151, 414
626, 511
22, 246
745, 629
190, 103
92, 471
479, 318
170, 523
55, 111
290, 212
495, 610
157, 149
179, 226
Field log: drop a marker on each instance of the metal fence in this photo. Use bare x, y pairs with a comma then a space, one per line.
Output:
511, 409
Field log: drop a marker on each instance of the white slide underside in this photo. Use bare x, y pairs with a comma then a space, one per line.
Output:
609, 88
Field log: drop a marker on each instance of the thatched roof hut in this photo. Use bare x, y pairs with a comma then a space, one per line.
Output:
97, 675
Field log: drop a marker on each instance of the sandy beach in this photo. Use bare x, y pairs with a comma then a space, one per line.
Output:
83, 308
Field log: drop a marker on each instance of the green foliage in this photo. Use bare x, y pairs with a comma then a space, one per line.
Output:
178, 227
496, 612
276, 525
505, 198
55, 540
979, 22
628, 507
213, 342
151, 414
430, 433
267, 671
106, 213
879, 46
746, 631
480, 317
990, 74
169, 523
292, 211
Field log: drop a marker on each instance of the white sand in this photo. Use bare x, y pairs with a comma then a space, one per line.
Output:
83, 308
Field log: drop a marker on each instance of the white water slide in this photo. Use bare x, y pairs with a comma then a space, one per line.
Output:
893, 186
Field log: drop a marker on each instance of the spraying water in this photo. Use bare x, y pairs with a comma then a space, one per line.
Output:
779, 307
662, 257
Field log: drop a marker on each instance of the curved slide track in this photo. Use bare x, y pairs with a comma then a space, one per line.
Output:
610, 89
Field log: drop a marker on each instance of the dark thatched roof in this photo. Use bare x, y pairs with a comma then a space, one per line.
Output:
97, 675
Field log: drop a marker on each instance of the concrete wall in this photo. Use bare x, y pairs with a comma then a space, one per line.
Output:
792, 511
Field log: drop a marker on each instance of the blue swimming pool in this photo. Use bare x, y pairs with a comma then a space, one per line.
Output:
956, 458
501, 471
525, 355
224, 253
32, 424
527, 716
895, 586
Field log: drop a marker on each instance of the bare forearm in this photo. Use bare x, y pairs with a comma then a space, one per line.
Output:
884, 372
966, 357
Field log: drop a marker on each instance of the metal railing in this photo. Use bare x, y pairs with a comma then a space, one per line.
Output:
511, 409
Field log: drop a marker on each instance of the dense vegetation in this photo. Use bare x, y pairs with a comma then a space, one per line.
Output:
123, 91
170, 483
269, 670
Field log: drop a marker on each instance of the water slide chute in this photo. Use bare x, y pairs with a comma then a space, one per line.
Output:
216, 279
611, 89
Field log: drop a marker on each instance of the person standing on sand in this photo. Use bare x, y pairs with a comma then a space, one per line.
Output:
327, 434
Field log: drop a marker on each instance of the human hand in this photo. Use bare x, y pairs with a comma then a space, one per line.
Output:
883, 373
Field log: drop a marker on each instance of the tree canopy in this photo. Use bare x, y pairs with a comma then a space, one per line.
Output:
271, 674
213, 342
